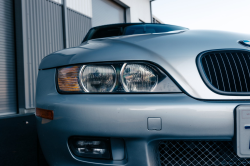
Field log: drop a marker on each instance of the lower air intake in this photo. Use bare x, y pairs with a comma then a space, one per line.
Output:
199, 153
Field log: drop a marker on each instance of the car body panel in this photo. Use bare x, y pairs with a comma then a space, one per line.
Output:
175, 52
125, 116
196, 113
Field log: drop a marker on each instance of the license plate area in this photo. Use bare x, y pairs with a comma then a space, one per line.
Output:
243, 131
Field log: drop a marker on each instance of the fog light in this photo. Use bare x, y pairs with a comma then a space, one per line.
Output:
83, 143
91, 150
90, 147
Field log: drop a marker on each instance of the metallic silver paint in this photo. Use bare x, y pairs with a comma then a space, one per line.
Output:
125, 116
176, 53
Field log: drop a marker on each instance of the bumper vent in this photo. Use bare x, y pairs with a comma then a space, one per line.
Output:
226, 72
197, 153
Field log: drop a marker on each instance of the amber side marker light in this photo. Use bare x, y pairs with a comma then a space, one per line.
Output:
47, 114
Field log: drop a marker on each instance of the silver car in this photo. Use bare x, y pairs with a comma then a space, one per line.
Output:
147, 95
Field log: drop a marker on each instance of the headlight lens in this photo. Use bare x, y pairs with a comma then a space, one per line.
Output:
114, 78
138, 78
98, 78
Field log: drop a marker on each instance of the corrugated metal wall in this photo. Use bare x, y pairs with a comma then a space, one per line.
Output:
44, 35
78, 26
7, 59
81, 6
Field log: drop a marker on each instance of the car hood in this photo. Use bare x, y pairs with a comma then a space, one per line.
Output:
176, 52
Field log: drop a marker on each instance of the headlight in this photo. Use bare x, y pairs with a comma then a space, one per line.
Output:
130, 77
138, 78
98, 78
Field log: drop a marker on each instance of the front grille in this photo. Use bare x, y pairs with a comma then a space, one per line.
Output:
198, 153
226, 72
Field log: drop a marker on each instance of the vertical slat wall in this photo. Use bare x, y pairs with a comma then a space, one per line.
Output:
44, 35
7, 59
81, 6
78, 26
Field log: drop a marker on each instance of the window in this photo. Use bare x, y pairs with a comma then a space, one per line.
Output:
129, 29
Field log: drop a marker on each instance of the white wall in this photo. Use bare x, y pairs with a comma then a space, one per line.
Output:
58, 1
139, 9
106, 12
81, 6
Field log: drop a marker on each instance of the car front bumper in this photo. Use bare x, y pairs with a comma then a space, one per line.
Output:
126, 116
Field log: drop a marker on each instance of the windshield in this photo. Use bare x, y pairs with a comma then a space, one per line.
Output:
129, 29
147, 28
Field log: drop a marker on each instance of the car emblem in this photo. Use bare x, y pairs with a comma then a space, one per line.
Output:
245, 42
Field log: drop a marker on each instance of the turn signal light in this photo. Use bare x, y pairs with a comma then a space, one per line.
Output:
68, 79
47, 114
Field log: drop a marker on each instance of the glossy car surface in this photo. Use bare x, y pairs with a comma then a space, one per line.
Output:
195, 113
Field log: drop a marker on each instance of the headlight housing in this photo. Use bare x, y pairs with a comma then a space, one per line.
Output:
129, 77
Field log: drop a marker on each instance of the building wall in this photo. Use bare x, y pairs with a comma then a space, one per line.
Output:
139, 9
78, 26
157, 20
107, 12
8, 104
39, 26
42, 32
81, 6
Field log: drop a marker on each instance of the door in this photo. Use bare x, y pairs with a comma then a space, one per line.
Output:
107, 12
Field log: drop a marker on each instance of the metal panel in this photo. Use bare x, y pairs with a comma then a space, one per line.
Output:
78, 26
58, 1
8, 103
44, 35
107, 12
83, 7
